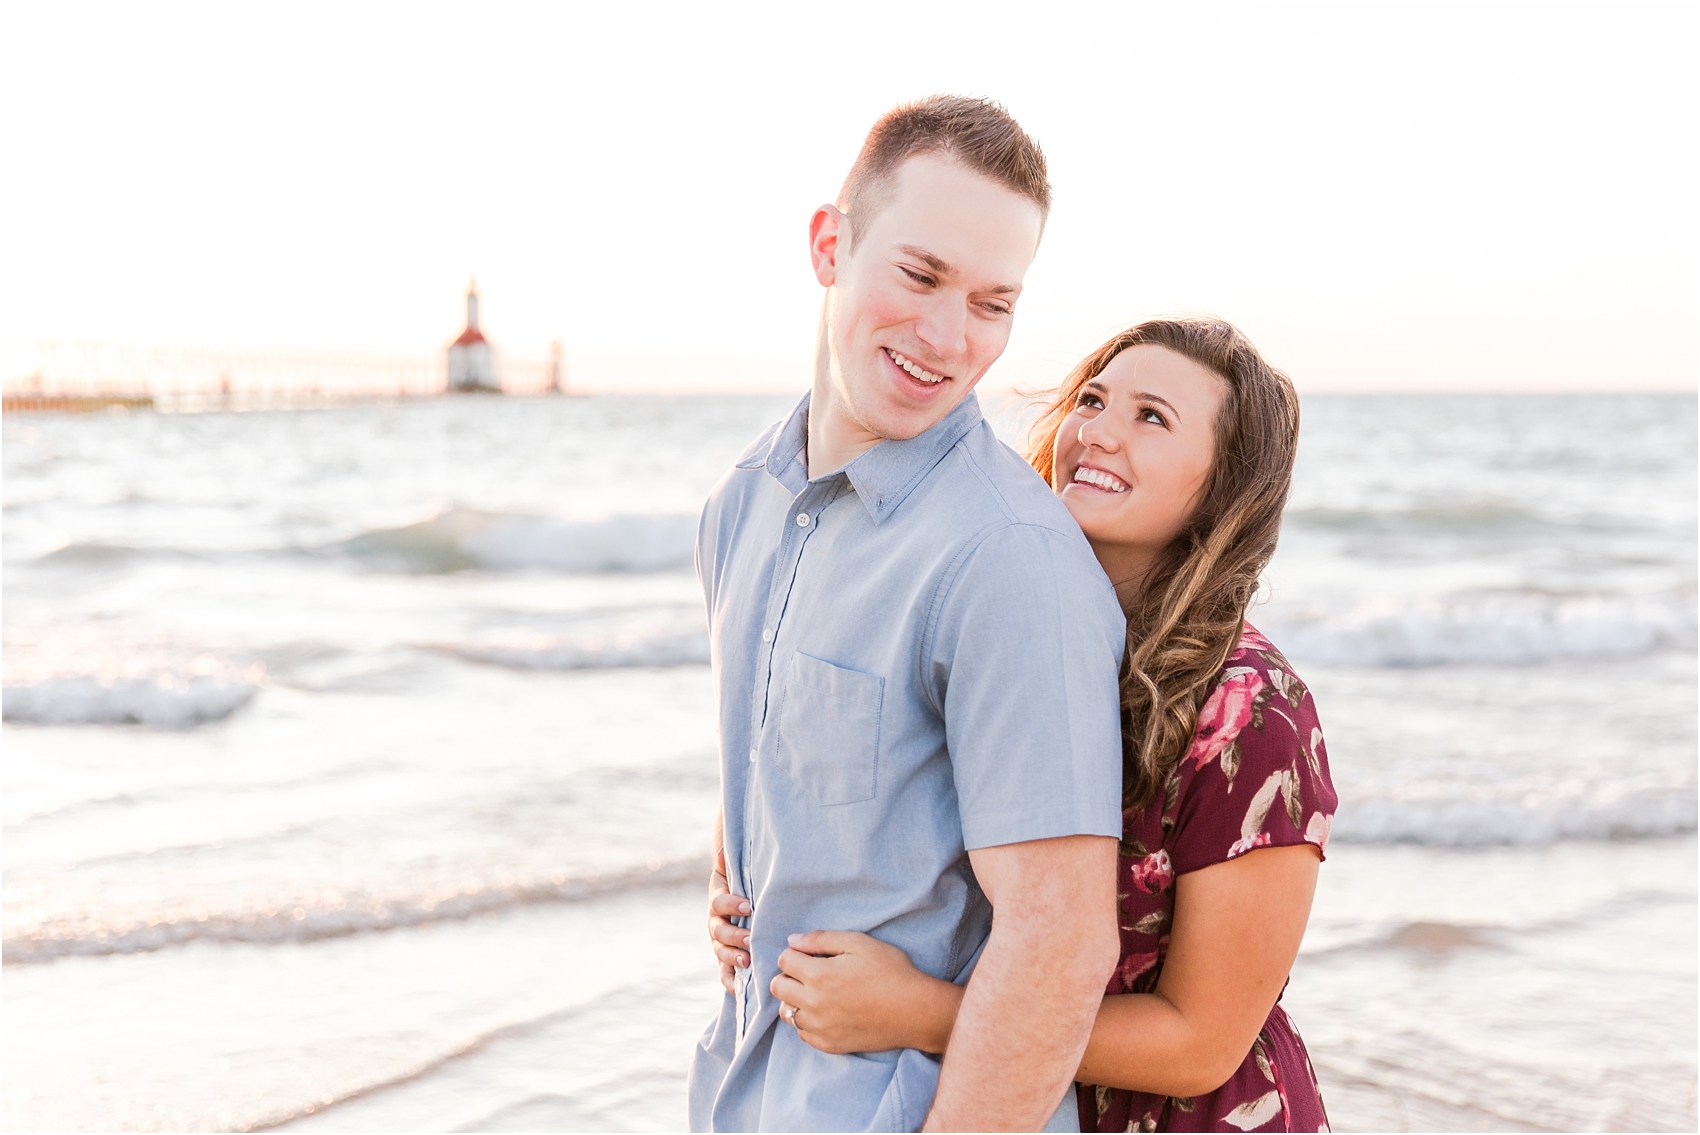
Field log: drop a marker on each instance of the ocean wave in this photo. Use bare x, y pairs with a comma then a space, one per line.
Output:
1465, 517
1502, 628
1568, 811
93, 555
461, 538
610, 653
311, 917
163, 700
605, 638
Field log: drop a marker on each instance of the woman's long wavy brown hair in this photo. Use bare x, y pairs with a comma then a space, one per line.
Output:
1186, 620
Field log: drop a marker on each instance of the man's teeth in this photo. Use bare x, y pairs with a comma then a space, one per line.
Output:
1100, 479
916, 372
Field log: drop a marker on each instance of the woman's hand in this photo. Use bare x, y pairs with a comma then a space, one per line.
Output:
731, 943
847, 992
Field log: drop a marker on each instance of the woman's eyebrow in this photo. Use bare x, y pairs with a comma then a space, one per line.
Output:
1094, 385
1161, 401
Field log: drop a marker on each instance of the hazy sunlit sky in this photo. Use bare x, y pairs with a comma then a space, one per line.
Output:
1385, 196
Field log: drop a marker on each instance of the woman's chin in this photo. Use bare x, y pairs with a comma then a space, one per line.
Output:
1090, 515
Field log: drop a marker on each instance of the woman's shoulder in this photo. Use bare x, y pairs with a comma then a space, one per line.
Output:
1256, 773
1256, 652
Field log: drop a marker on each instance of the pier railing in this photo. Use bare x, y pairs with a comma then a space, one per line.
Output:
83, 375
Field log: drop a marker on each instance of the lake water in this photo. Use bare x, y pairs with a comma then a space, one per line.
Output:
359, 762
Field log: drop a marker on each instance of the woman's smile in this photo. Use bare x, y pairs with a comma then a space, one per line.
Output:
1092, 477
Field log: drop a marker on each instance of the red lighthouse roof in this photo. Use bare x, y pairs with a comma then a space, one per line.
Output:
471, 336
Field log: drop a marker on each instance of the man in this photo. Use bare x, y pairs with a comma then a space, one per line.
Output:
915, 654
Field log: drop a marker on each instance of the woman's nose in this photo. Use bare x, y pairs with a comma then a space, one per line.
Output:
1096, 433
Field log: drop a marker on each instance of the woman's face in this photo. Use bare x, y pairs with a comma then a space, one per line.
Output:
1133, 456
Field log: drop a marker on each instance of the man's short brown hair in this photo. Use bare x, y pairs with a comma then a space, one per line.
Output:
978, 133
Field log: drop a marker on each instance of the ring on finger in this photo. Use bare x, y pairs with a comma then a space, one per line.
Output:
789, 1012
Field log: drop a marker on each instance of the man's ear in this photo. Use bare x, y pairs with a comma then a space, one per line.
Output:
825, 227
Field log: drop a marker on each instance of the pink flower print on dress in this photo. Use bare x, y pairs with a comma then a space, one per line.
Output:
1154, 873
1241, 846
1133, 966
1225, 713
1252, 639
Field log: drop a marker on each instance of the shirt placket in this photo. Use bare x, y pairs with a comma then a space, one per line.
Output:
801, 521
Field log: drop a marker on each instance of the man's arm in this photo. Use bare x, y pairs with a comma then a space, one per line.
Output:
1029, 1007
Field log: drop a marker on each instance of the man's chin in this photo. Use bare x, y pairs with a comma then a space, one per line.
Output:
901, 425
898, 419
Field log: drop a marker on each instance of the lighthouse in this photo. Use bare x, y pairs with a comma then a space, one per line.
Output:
472, 364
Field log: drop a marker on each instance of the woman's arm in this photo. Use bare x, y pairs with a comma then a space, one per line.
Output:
730, 941
1236, 931
854, 993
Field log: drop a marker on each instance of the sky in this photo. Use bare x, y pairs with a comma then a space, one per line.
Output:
1384, 196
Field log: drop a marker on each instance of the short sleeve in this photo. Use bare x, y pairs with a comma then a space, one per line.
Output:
1256, 774
1022, 663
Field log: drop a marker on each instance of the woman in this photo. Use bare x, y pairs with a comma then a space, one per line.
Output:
1172, 446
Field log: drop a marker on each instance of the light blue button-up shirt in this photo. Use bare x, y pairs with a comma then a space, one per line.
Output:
915, 656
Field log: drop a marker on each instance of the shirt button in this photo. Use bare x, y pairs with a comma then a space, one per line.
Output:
752, 756
802, 520
767, 634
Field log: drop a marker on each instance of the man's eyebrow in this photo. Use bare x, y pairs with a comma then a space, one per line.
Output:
943, 268
1143, 395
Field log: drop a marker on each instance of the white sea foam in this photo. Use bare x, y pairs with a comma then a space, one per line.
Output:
689, 648
466, 538
606, 638
164, 700
1476, 817
309, 917
1500, 629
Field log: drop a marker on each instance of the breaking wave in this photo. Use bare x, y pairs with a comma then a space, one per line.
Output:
1571, 811
460, 538
163, 700
1464, 517
615, 652
669, 634
1497, 629
311, 917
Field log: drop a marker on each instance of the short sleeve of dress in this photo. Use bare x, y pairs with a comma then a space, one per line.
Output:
1256, 774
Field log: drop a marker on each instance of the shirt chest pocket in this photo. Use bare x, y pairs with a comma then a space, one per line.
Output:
829, 730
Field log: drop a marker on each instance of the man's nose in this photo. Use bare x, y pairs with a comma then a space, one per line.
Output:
944, 327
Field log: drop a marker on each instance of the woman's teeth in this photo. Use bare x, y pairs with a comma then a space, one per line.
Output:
1099, 479
915, 372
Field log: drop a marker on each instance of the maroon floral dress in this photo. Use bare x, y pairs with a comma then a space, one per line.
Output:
1255, 776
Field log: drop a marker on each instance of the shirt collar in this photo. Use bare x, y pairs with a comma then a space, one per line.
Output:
885, 475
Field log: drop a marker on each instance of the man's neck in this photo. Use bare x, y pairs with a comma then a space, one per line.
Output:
835, 438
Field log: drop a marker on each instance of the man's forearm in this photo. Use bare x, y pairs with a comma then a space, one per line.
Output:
1023, 1026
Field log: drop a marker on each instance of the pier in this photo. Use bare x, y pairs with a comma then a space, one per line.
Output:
81, 376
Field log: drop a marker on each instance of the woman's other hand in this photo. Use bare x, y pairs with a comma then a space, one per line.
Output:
731, 943
847, 992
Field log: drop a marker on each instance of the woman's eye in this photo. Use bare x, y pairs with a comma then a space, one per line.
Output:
1155, 418
1089, 401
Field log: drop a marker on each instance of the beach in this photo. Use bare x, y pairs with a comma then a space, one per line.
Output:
360, 761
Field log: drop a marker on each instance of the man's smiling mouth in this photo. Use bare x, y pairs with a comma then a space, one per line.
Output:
1098, 479
914, 370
